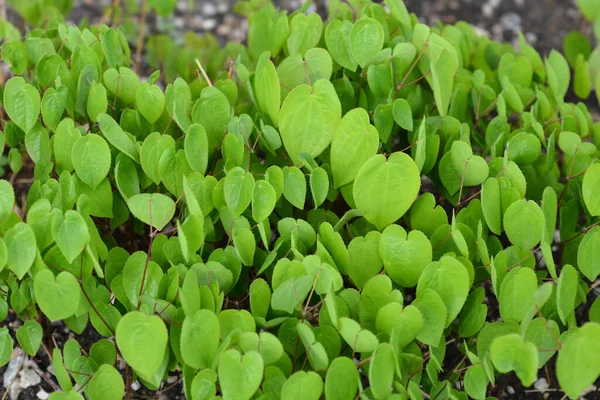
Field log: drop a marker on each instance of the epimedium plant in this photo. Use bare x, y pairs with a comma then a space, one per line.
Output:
358, 207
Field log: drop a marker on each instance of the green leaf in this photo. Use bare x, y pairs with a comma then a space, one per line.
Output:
7, 201
524, 224
196, 148
434, 315
71, 395
442, 73
71, 234
365, 262
22, 103
54, 102
401, 324
305, 33
319, 186
204, 324
294, 186
450, 280
6, 346
245, 245
302, 386
91, 159
577, 366
266, 88
381, 371
239, 376
29, 336
263, 200
150, 101
117, 136
404, 256
142, 341
213, 111
588, 259
58, 298
355, 140
511, 353
471, 169
517, 293
403, 114
566, 292
96, 102
106, 384
308, 119
591, 189
152, 150
341, 381
153, 209
21, 248
360, 340
378, 183
238, 187
366, 40
337, 38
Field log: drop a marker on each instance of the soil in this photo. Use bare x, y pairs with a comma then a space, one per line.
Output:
544, 24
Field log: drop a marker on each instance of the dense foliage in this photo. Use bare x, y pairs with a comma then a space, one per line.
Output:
358, 207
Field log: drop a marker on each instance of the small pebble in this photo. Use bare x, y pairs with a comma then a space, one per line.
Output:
208, 24
512, 21
136, 386
541, 385
222, 7
208, 9
510, 390
42, 395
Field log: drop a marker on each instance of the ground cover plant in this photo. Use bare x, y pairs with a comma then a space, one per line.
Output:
357, 207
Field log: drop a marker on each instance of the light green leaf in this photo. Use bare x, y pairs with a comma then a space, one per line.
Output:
22, 103
577, 366
366, 40
355, 140
524, 224
308, 119
294, 186
378, 183
58, 298
91, 159
154, 209
142, 341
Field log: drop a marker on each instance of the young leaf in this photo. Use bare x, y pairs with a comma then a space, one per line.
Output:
154, 209
91, 159
22, 103
576, 366
142, 341
379, 181
58, 298
308, 119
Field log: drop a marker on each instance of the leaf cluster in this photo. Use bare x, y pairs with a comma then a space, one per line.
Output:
362, 206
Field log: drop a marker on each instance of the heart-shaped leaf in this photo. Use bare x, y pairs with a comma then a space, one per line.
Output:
378, 183
404, 256
577, 366
240, 377
302, 386
204, 323
58, 298
511, 353
142, 341
71, 234
155, 209
402, 325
